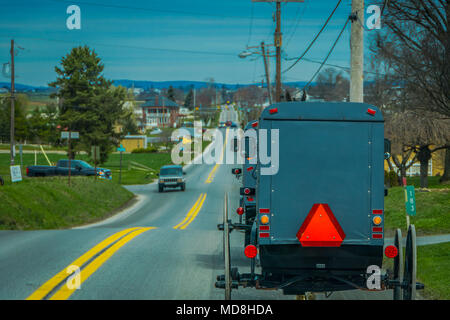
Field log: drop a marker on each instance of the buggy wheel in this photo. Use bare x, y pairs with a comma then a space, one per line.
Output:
226, 249
398, 264
409, 276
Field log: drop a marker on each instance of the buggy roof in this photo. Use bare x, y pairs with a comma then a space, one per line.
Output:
323, 111
249, 124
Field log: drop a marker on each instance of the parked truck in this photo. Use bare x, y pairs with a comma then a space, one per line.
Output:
78, 168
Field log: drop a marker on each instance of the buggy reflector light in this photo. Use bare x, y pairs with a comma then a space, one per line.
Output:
263, 234
250, 251
255, 124
320, 228
273, 110
371, 111
249, 168
240, 211
250, 199
377, 220
264, 219
391, 251
377, 211
377, 229
264, 210
377, 236
264, 228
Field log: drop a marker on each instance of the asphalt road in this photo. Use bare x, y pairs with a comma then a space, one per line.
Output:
174, 252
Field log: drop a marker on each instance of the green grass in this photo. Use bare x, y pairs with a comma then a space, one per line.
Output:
433, 211
28, 147
433, 182
49, 203
433, 269
130, 174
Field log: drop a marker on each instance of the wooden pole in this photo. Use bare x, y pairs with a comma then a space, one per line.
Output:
70, 152
278, 40
357, 52
12, 142
266, 67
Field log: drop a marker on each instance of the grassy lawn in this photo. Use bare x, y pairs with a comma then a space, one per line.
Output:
4, 146
49, 203
137, 168
433, 217
433, 209
433, 269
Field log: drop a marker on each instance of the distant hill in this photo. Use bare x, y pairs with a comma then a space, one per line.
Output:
24, 87
146, 85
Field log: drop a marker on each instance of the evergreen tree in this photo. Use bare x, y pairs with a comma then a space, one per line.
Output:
88, 102
171, 94
189, 101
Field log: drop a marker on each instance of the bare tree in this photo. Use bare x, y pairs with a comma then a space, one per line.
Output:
331, 86
415, 49
415, 136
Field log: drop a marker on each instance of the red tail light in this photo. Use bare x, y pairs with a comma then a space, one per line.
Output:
247, 191
250, 199
273, 110
391, 251
240, 211
250, 251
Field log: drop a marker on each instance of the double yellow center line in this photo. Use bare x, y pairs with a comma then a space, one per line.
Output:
192, 213
213, 171
59, 288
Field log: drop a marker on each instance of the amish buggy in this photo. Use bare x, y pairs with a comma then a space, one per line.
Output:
319, 217
247, 176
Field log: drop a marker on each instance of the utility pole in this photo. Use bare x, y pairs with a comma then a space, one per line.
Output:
357, 52
12, 142
278, 43
266, 67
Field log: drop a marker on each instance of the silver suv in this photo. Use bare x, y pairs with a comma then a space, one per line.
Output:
171, 177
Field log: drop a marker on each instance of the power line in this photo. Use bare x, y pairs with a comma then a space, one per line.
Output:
251, 24
132, 47
315, 38
304, 5
334, 65
328, 55
190, 13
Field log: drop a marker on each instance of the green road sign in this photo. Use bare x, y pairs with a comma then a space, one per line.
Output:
410, 200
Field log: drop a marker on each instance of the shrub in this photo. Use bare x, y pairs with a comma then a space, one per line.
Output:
145, 150
390, 178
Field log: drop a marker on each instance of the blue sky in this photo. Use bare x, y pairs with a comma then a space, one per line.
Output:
169, 40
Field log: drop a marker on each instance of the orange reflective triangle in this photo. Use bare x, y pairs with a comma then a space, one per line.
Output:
320, 228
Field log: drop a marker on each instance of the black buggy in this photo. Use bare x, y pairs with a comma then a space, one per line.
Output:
319, 223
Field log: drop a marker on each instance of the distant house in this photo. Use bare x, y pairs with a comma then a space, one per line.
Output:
158, 111
131, 142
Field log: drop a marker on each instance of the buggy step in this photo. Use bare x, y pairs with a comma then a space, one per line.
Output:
221, 284
237, 226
